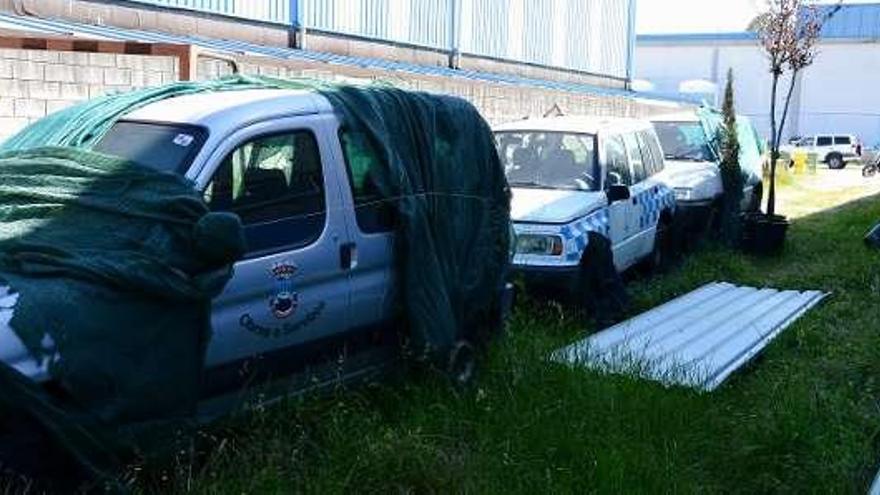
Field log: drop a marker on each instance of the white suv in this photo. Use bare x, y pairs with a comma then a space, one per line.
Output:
576, 178
835, 150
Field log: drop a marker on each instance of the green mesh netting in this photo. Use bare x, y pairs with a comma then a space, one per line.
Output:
118, 298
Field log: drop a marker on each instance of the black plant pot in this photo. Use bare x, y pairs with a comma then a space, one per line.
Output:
764, 235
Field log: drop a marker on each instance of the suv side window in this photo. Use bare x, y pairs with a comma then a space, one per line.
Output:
616, 162
842, 140
636, 160
374, 213
275, 184
652, 156
823, 141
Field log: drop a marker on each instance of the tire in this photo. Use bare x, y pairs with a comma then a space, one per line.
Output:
657, 260
757, 198
869, 171
462, 365
835, 161
600, 291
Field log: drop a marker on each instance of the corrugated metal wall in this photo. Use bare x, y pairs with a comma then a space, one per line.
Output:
586, 35
274, 11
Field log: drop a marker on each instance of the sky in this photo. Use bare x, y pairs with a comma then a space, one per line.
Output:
698, 16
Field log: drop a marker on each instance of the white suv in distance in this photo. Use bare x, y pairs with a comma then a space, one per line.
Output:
834, 150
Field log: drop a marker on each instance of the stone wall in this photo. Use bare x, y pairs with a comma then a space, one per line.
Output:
497, 102
35, 83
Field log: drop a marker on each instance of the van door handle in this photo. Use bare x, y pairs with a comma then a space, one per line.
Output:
348, 258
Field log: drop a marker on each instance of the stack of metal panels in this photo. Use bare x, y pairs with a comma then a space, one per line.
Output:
697, 340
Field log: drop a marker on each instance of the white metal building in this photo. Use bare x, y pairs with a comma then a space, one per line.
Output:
840, 93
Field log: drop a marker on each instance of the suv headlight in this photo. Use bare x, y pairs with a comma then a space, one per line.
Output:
684, 193
546, 245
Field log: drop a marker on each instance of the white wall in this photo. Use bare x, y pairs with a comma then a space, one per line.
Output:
840, 93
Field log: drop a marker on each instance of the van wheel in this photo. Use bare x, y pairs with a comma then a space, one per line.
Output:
835, 161
462, 366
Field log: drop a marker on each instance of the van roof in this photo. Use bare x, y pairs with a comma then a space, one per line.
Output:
233, 107
577, 124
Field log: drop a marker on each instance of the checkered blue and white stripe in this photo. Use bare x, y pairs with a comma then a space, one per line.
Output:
654, 201
575, 235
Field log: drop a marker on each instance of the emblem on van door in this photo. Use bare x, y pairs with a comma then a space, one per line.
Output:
285, 300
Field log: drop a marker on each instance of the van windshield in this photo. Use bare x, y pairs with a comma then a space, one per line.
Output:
684, 141
549, 160
162, 147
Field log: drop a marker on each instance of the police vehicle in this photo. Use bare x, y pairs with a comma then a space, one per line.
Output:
573, 176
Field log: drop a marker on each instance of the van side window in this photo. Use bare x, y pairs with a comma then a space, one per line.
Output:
374, 213
842, 140
823, 141
275, 184
635, 157
618, 166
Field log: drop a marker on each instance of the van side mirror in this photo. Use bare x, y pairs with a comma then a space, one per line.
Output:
617, 193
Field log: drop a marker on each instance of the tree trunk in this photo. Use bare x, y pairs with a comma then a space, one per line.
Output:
774, 149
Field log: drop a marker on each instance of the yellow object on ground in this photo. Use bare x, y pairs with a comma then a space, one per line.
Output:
800, 162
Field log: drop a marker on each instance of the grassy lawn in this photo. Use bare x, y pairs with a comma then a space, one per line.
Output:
804, 417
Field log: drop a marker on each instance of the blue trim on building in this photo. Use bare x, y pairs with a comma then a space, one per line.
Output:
855, 21
241, 47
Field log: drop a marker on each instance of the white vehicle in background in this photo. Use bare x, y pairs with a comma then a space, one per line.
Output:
835, 150
693, 168
578, 180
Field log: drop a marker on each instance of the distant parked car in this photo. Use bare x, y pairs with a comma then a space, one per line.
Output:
834, 150
575, 178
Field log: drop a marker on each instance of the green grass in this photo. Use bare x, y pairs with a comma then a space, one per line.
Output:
804, 417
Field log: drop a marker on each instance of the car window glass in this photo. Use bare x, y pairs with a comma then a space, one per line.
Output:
616, 161
549, 160
650, 159
823, 141
373, 212
635, 156
842, 140
656, 151
275, 184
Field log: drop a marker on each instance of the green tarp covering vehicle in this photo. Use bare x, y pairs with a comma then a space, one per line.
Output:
163, 248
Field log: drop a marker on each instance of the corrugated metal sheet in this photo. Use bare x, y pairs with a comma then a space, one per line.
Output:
274, 11
696, 340
240, 47
875, 488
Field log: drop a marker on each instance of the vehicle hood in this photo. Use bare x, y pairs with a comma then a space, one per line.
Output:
689, 174
553, 205
12, 351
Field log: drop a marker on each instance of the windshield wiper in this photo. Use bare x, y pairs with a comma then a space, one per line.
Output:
533, 185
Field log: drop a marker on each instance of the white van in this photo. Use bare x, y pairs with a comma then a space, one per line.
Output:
693, 167
572, 176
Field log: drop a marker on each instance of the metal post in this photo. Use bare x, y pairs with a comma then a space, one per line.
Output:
454, 34
631, 44
297, 27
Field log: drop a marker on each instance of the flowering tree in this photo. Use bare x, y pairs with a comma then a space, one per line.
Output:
789, 33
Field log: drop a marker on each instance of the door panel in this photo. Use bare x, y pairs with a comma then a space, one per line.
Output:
371, 221
281, 179
618, 172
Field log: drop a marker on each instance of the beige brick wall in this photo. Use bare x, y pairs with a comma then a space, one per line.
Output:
497, 102
35, 83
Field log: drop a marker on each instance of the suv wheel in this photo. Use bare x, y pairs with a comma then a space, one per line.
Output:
835, 161
657, 259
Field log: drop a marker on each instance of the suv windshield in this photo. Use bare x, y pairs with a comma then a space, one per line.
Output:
684, 141
549, 160
163, 147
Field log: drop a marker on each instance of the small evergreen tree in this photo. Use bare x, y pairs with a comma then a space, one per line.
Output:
731, 173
